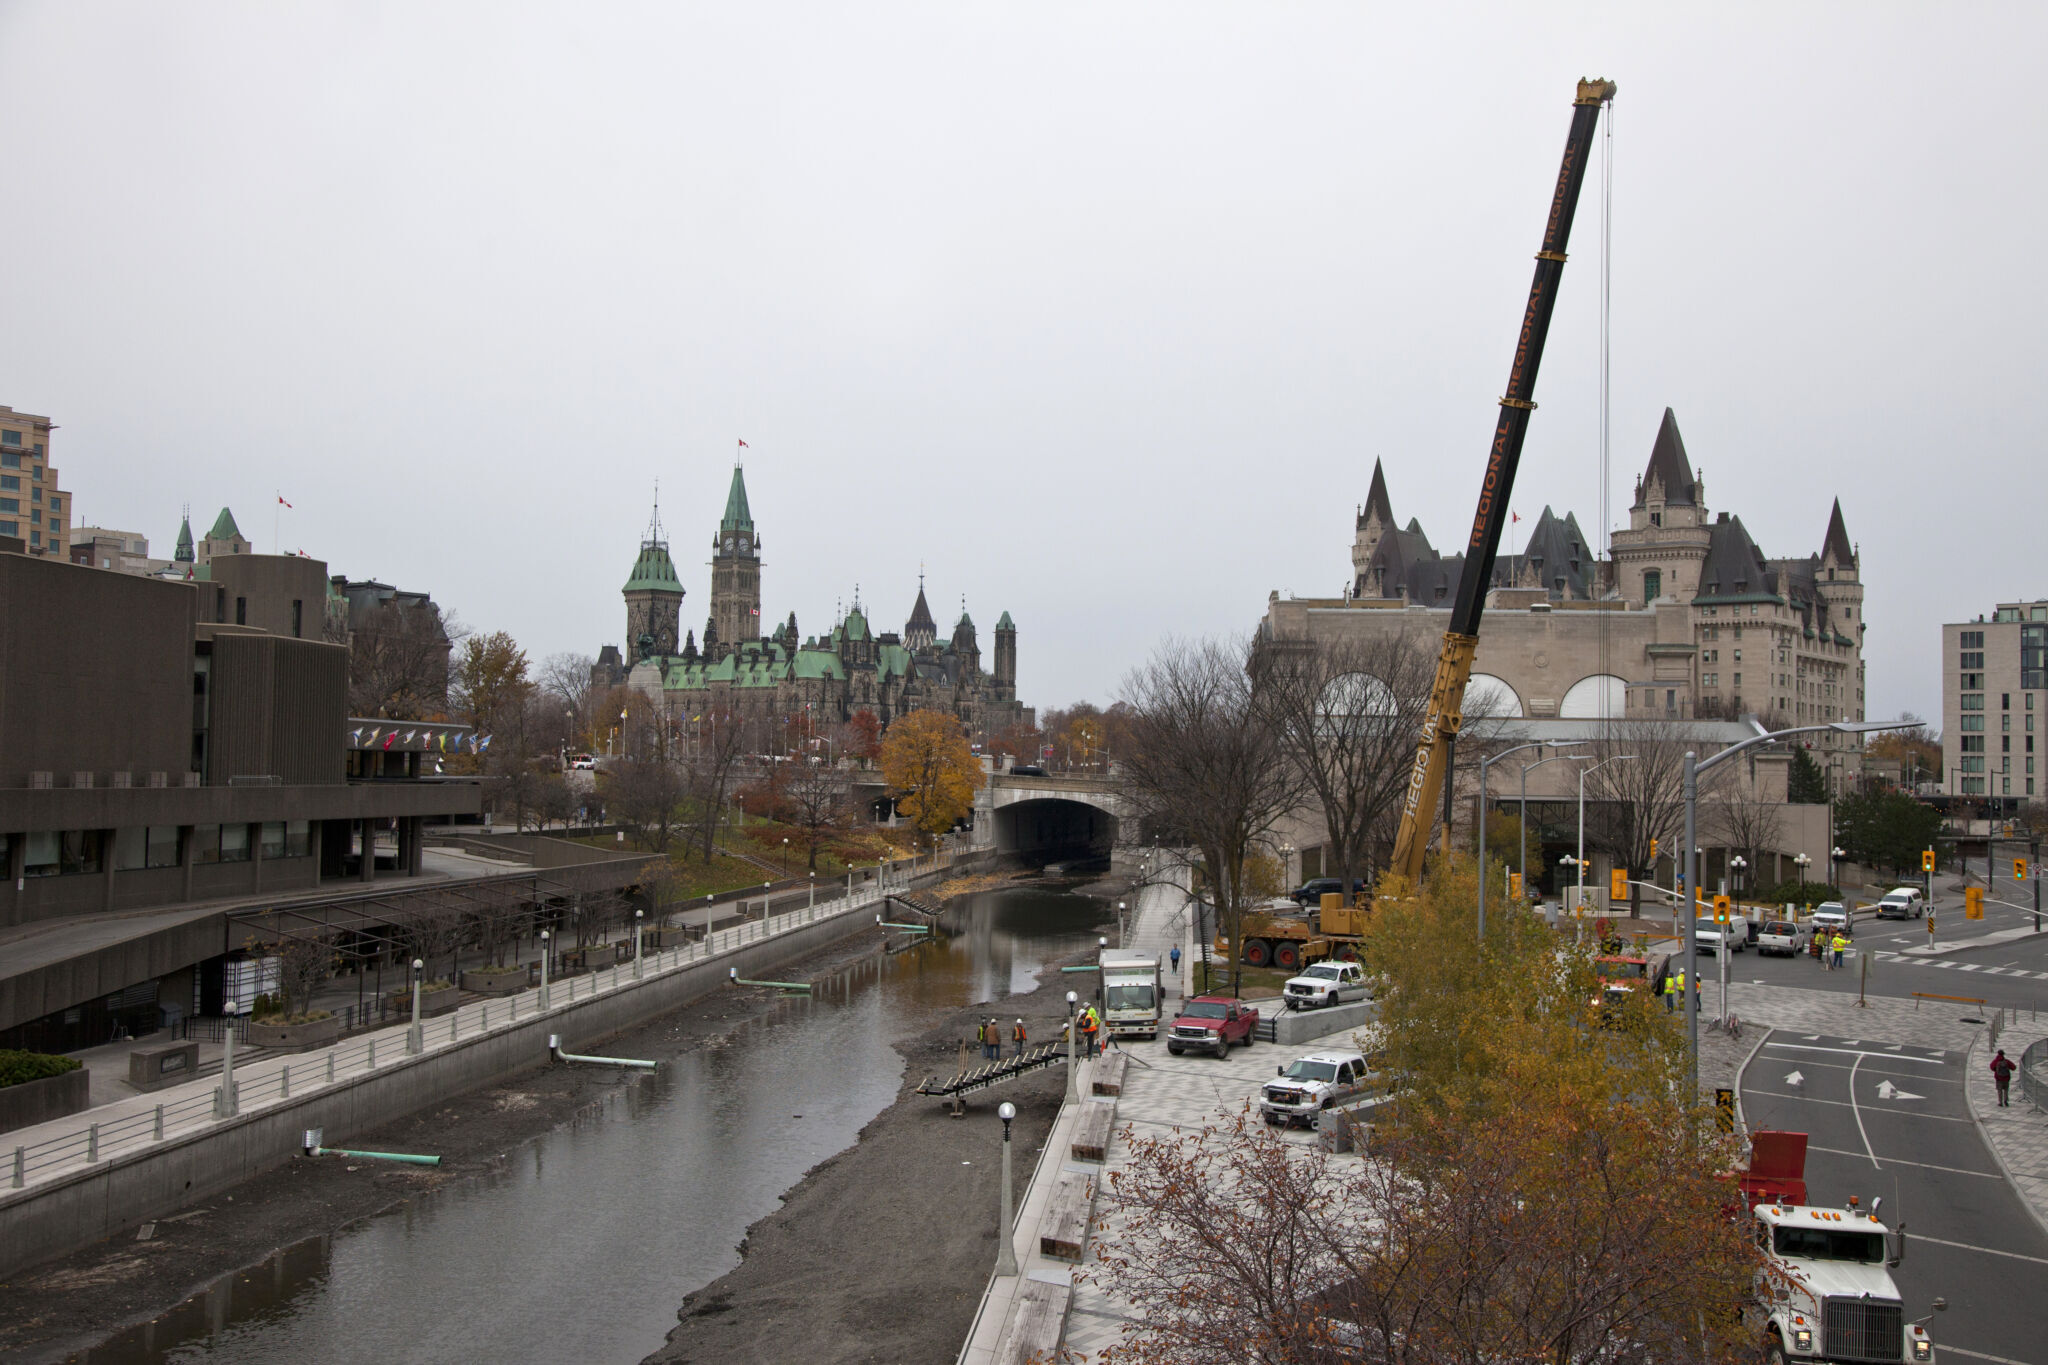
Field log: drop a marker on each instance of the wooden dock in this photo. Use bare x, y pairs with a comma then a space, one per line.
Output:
995, 1073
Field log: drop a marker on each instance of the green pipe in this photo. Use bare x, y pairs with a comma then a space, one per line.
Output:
738, 980
379, 1156
1080, 969
907, 928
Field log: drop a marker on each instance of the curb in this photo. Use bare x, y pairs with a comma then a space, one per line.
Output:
1984, 1134
1742, 1119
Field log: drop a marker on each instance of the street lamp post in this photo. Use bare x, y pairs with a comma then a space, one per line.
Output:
1693, 768
1486, 761
638, 916
1120, 931
1618, 758
1006, 1238
544, 969
414, 1039
785, 855
1073, 1085
1802, 862
1835, 856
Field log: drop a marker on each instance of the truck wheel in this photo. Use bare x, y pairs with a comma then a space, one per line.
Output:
1347, 953
1774, 1350
1257, 952
1286, 956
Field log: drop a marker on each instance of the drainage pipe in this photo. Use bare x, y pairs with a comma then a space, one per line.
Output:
555, 1048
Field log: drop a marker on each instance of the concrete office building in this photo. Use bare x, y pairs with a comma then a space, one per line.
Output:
170, 750
34, 509
1994, 685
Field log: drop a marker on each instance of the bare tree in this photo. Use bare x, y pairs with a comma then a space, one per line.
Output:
1348, 711
398, 654
1205, 766
715, 745
439, 927
1635, 793
303, 965
563, 682
1739, 818
816, 796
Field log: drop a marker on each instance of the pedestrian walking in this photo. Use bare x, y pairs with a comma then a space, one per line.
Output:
2001, 1072
1173, 957
1017, 1036
989, 1046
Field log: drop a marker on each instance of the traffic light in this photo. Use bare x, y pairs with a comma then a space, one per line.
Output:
1722, 909
1653, 850
2019, 869
1617, 884
1927, 860
1973, 902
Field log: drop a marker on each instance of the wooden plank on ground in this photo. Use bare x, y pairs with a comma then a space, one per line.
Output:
1063, 1232
1109, 1074
1091, 1132
1041, 1318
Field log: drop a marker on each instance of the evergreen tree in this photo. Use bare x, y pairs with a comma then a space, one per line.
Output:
1807, 785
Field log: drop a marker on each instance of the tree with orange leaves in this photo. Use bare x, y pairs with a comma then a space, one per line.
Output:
928, 763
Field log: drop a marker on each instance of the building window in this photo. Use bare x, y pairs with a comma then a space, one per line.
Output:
163, 846
1973, 722
1973, 701
1973, 765
10, 438
131, 848
1653, 586
206, 844
2005, 701
10, 459
10, 505
234, 843
1972, 639
40, 855
1973, 659
10, 482
8, 528
56, 503
273, 839
2005, 744
2005, 723
241, 611
298, 838
80, 852
298, 617
2005, 786
1738, 676
1972, 681
1973, 744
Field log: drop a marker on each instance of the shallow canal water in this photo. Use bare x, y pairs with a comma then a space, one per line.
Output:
585, 1245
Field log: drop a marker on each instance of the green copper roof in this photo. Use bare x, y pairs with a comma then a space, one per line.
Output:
654, 570
183, 554
737, 517
892, 661
856, 625
1005, 623
817, 663
224, 527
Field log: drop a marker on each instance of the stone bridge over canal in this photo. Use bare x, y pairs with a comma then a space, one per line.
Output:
1048, 818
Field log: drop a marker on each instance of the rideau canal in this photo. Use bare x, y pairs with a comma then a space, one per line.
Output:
588, 1239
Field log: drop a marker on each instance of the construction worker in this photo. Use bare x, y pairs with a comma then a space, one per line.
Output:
1017, 1036
989, 1045
1089, 1026
1670, 992
1839, 944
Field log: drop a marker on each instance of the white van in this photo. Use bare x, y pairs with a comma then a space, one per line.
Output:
1902, 902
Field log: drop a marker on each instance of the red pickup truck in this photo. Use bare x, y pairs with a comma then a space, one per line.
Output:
1212, 1023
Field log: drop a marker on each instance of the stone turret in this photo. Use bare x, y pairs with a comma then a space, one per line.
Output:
654, 596
1006, 655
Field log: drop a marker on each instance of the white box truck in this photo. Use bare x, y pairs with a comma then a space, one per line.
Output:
1130, 994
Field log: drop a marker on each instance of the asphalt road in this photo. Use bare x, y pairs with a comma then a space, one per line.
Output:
1886, 1117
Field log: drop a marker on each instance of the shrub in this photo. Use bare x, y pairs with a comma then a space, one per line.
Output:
17, 1068
1808, 894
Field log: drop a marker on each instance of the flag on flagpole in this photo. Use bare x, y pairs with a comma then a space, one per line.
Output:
280, 498
355, 736
745, 446
485, 745
388, 739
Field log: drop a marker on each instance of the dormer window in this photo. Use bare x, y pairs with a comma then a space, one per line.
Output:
1656, 518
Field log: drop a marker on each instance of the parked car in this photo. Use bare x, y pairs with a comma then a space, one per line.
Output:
1027, 770
1902, 902
1212, 1023
1711, 937
1779, 936
588, 761
1828, 915
1326, 983
1312, 891
1308, 1085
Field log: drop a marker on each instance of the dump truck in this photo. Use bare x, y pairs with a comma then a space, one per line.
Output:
1825, 1293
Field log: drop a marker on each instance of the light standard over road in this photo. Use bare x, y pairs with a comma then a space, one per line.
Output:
1485, 762
1580, 908
1523, 816
1694, 766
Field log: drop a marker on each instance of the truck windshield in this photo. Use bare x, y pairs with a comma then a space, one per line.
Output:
1306, 1070
1829, 1244
1613, 970
1204, 1009
1706, 926
1135, 996
1325, 971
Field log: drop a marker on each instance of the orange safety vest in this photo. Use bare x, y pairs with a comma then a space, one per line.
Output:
1017, 1033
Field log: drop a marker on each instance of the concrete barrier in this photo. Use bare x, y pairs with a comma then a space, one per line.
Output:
1291, 1027
52, 1097
114, 1196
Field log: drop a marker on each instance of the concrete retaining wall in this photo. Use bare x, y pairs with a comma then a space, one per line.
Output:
50, 1220
52, 1097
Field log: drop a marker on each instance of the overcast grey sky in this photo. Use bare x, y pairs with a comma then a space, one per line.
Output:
1101, 312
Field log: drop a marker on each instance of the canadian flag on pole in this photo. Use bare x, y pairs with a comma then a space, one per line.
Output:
281, 501
744, 446
1517, 516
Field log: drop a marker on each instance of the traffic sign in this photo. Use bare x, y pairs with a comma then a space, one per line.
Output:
1927, 860
1515, 884
1973, 902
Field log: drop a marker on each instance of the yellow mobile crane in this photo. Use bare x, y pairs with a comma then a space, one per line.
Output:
1446, 714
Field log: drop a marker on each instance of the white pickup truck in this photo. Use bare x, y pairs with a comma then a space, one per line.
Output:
1711, 937
1779, 936
1308, 1085
1326, 983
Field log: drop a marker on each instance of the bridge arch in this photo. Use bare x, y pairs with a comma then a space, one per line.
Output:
1054, 828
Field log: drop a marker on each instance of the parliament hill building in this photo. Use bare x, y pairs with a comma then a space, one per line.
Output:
780, 677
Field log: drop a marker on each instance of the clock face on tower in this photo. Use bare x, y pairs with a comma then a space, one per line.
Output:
743, 544
728, 544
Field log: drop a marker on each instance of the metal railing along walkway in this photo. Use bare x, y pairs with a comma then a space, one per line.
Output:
995, 1073
130, 1124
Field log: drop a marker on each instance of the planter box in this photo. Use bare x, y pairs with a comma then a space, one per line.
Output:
52, 1097
431, 1002
283, 1037
652, 939
508, 982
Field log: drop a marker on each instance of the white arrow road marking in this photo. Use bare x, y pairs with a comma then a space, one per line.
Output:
1887, 1091
1896, 1047
1813, 1037
1794, 1078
